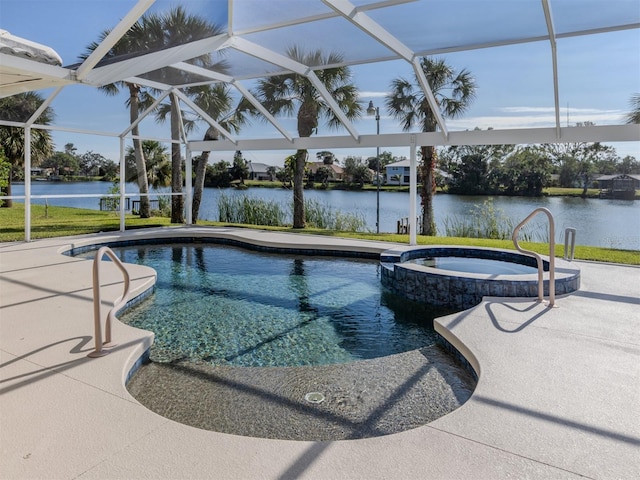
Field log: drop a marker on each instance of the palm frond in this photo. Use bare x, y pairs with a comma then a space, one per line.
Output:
454, 91
634, 115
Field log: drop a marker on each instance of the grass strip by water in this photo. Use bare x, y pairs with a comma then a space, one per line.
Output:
547, 191
577, 192
53, 221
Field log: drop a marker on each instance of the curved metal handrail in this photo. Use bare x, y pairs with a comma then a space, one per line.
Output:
99, 351
552, 250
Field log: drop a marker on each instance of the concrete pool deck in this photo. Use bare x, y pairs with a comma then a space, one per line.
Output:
558, 394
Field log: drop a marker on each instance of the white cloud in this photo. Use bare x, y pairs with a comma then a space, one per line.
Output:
535, 117
526, 109
500, 123
564, 110
373, 94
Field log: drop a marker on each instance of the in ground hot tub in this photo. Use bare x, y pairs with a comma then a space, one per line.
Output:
458, 277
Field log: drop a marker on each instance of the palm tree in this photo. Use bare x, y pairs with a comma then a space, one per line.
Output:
157, 163
19, 108
407, 102
137, 39
180, 28
634, 115
326, 157
216, 101
283, 94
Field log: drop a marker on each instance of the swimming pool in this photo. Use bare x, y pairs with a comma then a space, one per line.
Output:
224, 305
295, 347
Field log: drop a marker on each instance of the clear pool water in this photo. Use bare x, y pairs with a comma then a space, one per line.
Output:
229, 306
475, 265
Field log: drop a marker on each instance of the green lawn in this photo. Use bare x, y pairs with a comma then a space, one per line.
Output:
330, 186
61, 221
55, 221
570, 192
576, 192
549, 191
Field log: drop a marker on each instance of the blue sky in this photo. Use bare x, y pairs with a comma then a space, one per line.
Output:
598, 75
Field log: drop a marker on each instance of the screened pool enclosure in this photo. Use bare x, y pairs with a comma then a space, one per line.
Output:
250, 40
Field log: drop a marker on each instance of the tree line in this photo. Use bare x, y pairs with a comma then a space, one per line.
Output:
526, 170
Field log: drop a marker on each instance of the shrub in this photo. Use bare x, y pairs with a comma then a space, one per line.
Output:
256, 211
322, 215
252, 211
487, 221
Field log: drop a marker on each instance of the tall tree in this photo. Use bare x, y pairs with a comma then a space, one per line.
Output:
454, 91
218, 175
322, 175
295, 95
526, 172
62, 163
357, 171
582, 157
385, 159
326, 157
470, 176
19, 108
138, 38
629, 165
239, 169
216, 101
179, 27
473, 169
70, 149
91, 162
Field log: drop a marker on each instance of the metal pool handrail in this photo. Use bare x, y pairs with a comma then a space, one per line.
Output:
552, 250
569, 243
100, 351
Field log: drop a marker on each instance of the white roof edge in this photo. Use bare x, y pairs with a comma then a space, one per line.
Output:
524, 136
20, 47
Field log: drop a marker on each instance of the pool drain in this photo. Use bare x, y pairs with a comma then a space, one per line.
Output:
314, 397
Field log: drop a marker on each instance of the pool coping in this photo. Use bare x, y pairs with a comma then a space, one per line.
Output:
542, 408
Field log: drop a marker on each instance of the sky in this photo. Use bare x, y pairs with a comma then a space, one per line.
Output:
598, 75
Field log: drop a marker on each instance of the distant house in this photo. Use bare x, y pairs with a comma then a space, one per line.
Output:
41, 172
258, 171
398, 173
337, 170
618, 186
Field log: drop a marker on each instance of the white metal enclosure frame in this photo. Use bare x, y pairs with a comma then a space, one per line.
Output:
252, 39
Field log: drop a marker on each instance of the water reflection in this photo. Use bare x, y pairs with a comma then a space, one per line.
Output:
253, 309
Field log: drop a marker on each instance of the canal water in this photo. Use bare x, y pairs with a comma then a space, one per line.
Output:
599, 222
